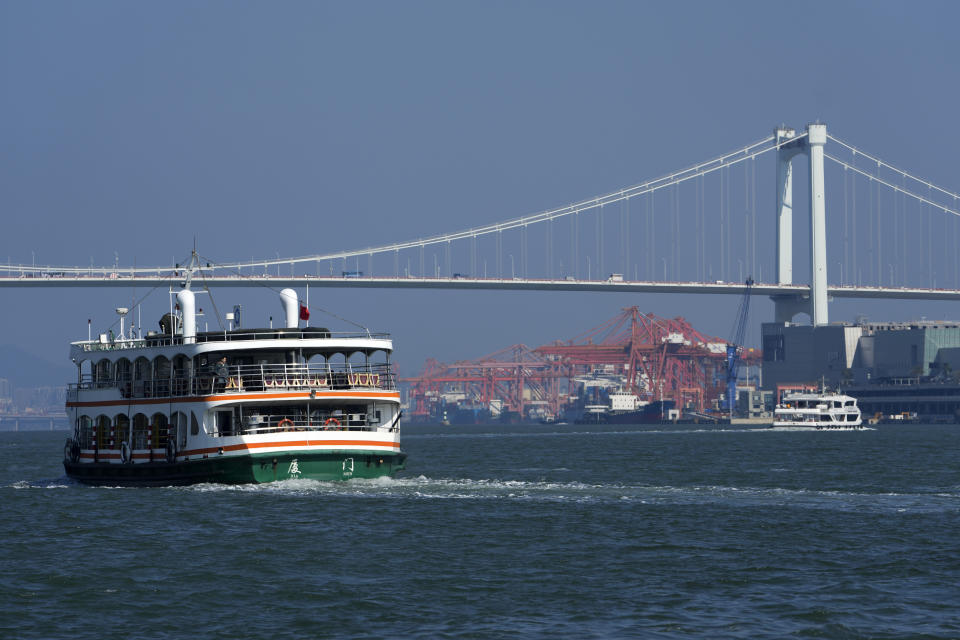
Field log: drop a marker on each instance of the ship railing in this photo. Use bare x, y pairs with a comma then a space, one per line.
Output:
252, 378
316, 421
165, 340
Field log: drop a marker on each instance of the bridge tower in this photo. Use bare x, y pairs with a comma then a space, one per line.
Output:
790, 146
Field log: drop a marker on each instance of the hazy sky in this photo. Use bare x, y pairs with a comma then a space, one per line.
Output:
303, 127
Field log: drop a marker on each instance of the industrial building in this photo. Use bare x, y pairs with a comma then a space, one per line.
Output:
895, 369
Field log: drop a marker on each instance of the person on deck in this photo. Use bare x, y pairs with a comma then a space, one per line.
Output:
220, 372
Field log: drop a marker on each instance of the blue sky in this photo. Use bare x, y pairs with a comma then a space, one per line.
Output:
303, 127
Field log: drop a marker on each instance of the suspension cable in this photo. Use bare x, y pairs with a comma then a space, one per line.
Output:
881, 163
897, 188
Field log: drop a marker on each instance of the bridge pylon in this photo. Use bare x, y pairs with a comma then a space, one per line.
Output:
790, 145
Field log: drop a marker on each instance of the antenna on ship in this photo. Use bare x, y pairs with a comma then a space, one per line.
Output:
191, 267
185, 299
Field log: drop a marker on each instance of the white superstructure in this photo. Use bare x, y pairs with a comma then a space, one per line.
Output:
238, 405
817, 411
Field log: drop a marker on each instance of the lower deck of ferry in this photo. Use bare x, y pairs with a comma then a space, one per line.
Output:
218, 467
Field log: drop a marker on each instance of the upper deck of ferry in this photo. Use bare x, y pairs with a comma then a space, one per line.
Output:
243, 360
309, 340
179, 361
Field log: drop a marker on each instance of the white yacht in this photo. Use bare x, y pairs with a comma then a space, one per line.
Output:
817, 412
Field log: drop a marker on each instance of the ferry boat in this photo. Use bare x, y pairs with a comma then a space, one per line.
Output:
234, 406
817, 411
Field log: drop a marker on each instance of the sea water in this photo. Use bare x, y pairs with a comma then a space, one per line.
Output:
506, 532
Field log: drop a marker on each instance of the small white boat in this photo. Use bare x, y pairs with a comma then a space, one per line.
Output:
823, 411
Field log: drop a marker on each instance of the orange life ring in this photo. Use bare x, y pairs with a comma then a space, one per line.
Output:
331, 421
285, 422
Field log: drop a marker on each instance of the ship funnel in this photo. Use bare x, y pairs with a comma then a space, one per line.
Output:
288, 298
188, 305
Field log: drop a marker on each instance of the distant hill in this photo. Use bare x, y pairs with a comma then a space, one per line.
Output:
24, 369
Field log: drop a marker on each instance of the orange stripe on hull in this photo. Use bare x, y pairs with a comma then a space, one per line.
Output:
290, 444
251, 446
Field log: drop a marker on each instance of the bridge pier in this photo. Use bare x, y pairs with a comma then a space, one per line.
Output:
789, 146
786, 307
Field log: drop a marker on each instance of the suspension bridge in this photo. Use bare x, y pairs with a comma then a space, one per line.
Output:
889, 234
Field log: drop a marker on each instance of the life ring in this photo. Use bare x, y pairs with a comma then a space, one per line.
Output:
331, 421
285, 423
171, 450
375, 379
125, 453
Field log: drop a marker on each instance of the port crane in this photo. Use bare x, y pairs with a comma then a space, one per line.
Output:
735, 346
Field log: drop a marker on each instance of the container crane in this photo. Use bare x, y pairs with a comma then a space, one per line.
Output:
735, 346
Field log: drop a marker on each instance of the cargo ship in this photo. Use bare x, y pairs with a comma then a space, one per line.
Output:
234, 406
627, 408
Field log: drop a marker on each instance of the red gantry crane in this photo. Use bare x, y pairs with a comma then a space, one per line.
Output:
658, 358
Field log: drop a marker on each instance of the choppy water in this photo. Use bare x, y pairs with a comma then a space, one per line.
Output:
533, 532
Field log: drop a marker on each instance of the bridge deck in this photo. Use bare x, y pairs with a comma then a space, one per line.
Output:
508, 284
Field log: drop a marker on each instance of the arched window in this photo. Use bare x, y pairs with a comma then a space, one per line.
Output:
182, 371
85, 432
122, 370
178, 429
122, 374
161, 376
102, 373
142, 378
121, 430
158, 430
140, 426
102, 424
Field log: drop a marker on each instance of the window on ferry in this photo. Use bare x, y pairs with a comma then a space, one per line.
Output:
161, 373
181, 375
159, 429
103, 431
140, 426
103, 372
141, 369
122, 369
121, 429
178, 429
194, 425
225, 423
85, 432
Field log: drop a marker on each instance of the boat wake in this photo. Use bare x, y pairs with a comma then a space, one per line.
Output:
424, 488
54, 483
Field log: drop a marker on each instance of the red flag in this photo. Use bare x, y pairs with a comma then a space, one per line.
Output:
304, 313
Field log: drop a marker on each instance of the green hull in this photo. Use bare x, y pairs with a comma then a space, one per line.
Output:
242, 469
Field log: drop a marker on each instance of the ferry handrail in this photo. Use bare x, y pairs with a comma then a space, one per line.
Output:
259, 377
330, 420
164, 340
